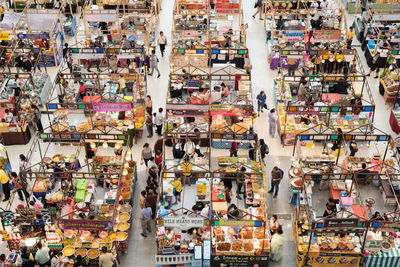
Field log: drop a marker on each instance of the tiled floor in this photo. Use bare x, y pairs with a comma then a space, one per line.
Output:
141, 250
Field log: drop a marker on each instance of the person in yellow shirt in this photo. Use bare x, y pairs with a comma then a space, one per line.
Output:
186, 170
177, 186
1, 13
350, 36
339, 61
5, 182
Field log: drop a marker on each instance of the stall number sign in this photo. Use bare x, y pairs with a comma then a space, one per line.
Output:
341, 222
183, 222
294, 35
86, 225
111, 107
4, 35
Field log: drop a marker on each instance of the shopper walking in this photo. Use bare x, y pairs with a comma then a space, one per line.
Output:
158, 159
177, 190
149, 125
5, 182
42, 256
147, 153
241, 178
20, 185
151, 198
149, 104
264, 149
261, 99
145, 219
154, 64
162, 42
142, 199
258, 4
272, 122
277, 241
159, 120
234, 149
375, 66
350, 36
37, 118
276, 177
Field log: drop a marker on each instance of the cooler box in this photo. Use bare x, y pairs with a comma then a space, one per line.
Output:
81, 185
80, 196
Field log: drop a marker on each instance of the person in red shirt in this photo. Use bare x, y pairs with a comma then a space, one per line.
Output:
82, 90
158, 159
234, 149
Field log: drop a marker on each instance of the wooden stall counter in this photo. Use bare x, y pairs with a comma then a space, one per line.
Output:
15, 135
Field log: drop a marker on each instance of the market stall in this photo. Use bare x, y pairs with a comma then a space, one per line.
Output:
183, 237
337, 100
129, 6
189, 92
240, 233
381, 242
130, 28
90, 204
44, 30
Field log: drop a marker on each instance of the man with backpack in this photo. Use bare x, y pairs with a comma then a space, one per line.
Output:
276, 176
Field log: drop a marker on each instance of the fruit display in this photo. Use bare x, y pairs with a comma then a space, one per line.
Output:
350, 123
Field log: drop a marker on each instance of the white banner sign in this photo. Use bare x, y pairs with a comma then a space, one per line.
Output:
183, 222
86, 56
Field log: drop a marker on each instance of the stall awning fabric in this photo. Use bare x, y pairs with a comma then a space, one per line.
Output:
388, 259
100, 15
9, 21
41, 21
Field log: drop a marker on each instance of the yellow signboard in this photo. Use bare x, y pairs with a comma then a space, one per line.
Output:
4, 35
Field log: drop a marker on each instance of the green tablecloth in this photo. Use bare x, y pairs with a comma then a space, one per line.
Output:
388, 259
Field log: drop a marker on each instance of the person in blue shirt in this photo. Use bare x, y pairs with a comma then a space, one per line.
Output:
261, 98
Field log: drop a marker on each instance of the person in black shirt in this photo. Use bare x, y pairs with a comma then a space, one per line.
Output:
330, 207
363, 174
65, 50
338, 141
264, 150
353, 148
228, 187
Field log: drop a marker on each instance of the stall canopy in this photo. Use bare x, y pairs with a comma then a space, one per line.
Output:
41, 20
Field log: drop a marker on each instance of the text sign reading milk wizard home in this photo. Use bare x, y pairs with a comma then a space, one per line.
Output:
183, 222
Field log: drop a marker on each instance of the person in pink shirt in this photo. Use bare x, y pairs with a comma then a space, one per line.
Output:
225, 90
82, 90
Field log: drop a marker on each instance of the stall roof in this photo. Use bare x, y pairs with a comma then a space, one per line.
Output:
10, 20
42, 19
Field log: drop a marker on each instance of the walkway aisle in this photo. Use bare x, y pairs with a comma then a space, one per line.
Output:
262, 80
142, 251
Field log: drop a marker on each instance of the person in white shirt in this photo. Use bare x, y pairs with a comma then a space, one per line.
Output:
162, 42
8, 116
159, 119
324, 4
189, 148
